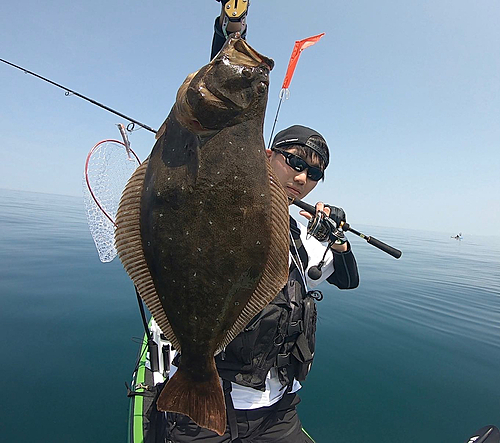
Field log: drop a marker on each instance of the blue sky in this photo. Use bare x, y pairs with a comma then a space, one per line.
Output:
407, 95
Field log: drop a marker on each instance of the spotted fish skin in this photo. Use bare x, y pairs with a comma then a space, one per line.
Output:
213, 223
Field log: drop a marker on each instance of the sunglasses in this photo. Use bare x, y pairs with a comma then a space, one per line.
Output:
299, 164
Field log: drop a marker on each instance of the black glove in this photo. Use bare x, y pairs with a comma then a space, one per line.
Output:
336, 214
328, 228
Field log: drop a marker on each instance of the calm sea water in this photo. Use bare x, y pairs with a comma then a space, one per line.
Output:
412, 355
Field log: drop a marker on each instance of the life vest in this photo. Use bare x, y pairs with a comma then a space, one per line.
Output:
282, 335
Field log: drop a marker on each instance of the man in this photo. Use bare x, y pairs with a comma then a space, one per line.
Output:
262, 367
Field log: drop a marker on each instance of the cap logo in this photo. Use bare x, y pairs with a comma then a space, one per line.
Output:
289, 140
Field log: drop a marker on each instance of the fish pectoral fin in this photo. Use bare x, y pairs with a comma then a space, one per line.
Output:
202, 401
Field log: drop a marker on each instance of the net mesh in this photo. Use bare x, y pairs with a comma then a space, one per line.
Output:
106, 173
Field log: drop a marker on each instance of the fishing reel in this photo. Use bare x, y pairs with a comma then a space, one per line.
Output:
324, 228
316, 226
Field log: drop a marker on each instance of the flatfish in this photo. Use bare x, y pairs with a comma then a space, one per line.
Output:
203, 224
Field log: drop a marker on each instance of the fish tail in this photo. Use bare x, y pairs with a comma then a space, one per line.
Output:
202, 401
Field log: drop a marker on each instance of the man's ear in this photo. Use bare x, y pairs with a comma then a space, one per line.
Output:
269, 153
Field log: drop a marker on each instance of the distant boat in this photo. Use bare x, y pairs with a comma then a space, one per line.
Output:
457, 237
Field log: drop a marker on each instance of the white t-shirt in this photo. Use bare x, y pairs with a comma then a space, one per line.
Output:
249, 398
315, 251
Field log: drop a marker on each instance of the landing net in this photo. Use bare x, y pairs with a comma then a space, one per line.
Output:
109, 165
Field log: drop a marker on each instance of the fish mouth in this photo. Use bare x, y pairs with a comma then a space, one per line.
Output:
245, 55
237, 52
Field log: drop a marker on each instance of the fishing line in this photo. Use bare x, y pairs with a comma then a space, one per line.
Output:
68, 92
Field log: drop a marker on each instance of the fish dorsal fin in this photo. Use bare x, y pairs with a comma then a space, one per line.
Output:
128, 243
275, 273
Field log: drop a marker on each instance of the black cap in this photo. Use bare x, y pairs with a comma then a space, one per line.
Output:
300, 135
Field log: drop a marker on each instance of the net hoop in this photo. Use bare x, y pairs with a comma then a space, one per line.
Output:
108, 167
97, 145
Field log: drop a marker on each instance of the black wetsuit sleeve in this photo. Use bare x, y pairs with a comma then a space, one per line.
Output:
218, 39
346, 274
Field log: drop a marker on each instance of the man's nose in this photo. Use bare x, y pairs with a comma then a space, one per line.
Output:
301, 177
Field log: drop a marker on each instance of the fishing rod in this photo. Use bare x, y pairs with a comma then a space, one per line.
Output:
284, 93
69, 92
396, 253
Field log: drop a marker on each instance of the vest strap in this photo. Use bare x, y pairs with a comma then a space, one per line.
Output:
231, 413
295, 327
283, 360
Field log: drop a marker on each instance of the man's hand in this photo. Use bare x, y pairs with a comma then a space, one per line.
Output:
336, 214
327, 228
